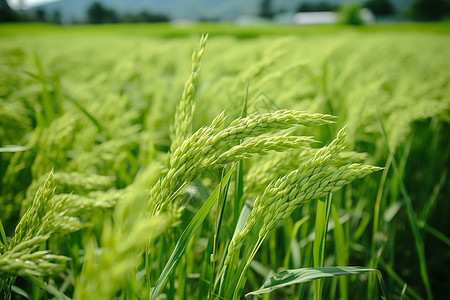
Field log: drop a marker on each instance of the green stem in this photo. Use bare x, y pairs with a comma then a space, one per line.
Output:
420, 248
321, 226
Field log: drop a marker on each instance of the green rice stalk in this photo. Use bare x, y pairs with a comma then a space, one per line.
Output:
315, 178
207, 149
186, 107
320, 229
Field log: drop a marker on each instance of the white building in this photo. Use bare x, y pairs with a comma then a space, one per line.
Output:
315, 18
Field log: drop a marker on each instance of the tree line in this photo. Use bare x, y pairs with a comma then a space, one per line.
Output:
419, 10
97, 13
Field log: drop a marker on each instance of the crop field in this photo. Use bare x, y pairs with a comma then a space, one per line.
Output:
155, 162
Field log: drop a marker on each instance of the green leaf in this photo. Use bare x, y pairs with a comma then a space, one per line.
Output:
19, 291
48, 288
13, 148
341, 249
187, 235
239, 187
289, 277
322, 218
412, 219
4, 241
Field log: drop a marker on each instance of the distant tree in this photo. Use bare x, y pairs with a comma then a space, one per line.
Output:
56, 18
350, 14
313, 6
97, 14
111, 16
40, 15
380, 7
428, 10
265, 9
7, 14
145, 17
205, 19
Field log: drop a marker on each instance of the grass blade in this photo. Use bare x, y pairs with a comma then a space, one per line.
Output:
186, 237
239, 187
13, 148
220, 208
397, 279
48, 288
4, 241
289, 277
47, 103
322, 217
341, 251
402, 295
418, 241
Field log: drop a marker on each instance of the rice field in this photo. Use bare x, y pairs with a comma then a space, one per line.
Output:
155, 162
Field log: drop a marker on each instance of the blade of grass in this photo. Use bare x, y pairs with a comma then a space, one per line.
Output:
226, 280
394, 276
49, 112
376, 227
294, 276
205, 283
13, 148
186, 237
420, 247
241, 274
233, 278
321, 226
433, 231
294, 244
48, 288
220, 207
239, 188
20, 292
341, 250
4, 241
402, 295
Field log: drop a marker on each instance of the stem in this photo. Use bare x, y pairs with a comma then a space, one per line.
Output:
247, 265
420, 248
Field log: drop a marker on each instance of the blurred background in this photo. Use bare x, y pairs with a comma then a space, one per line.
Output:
241, 12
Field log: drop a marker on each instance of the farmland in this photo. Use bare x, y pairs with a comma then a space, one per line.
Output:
131, 168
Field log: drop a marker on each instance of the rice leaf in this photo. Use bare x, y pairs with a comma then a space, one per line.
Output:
220, 208
19, 291
341, 249
4, 241
293, 276
420, 247
322, 217
13, 148
402, 296
48, 288
238, 200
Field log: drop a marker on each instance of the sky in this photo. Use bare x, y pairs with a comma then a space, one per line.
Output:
27, 3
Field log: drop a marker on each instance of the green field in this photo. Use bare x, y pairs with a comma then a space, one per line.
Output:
131, 168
